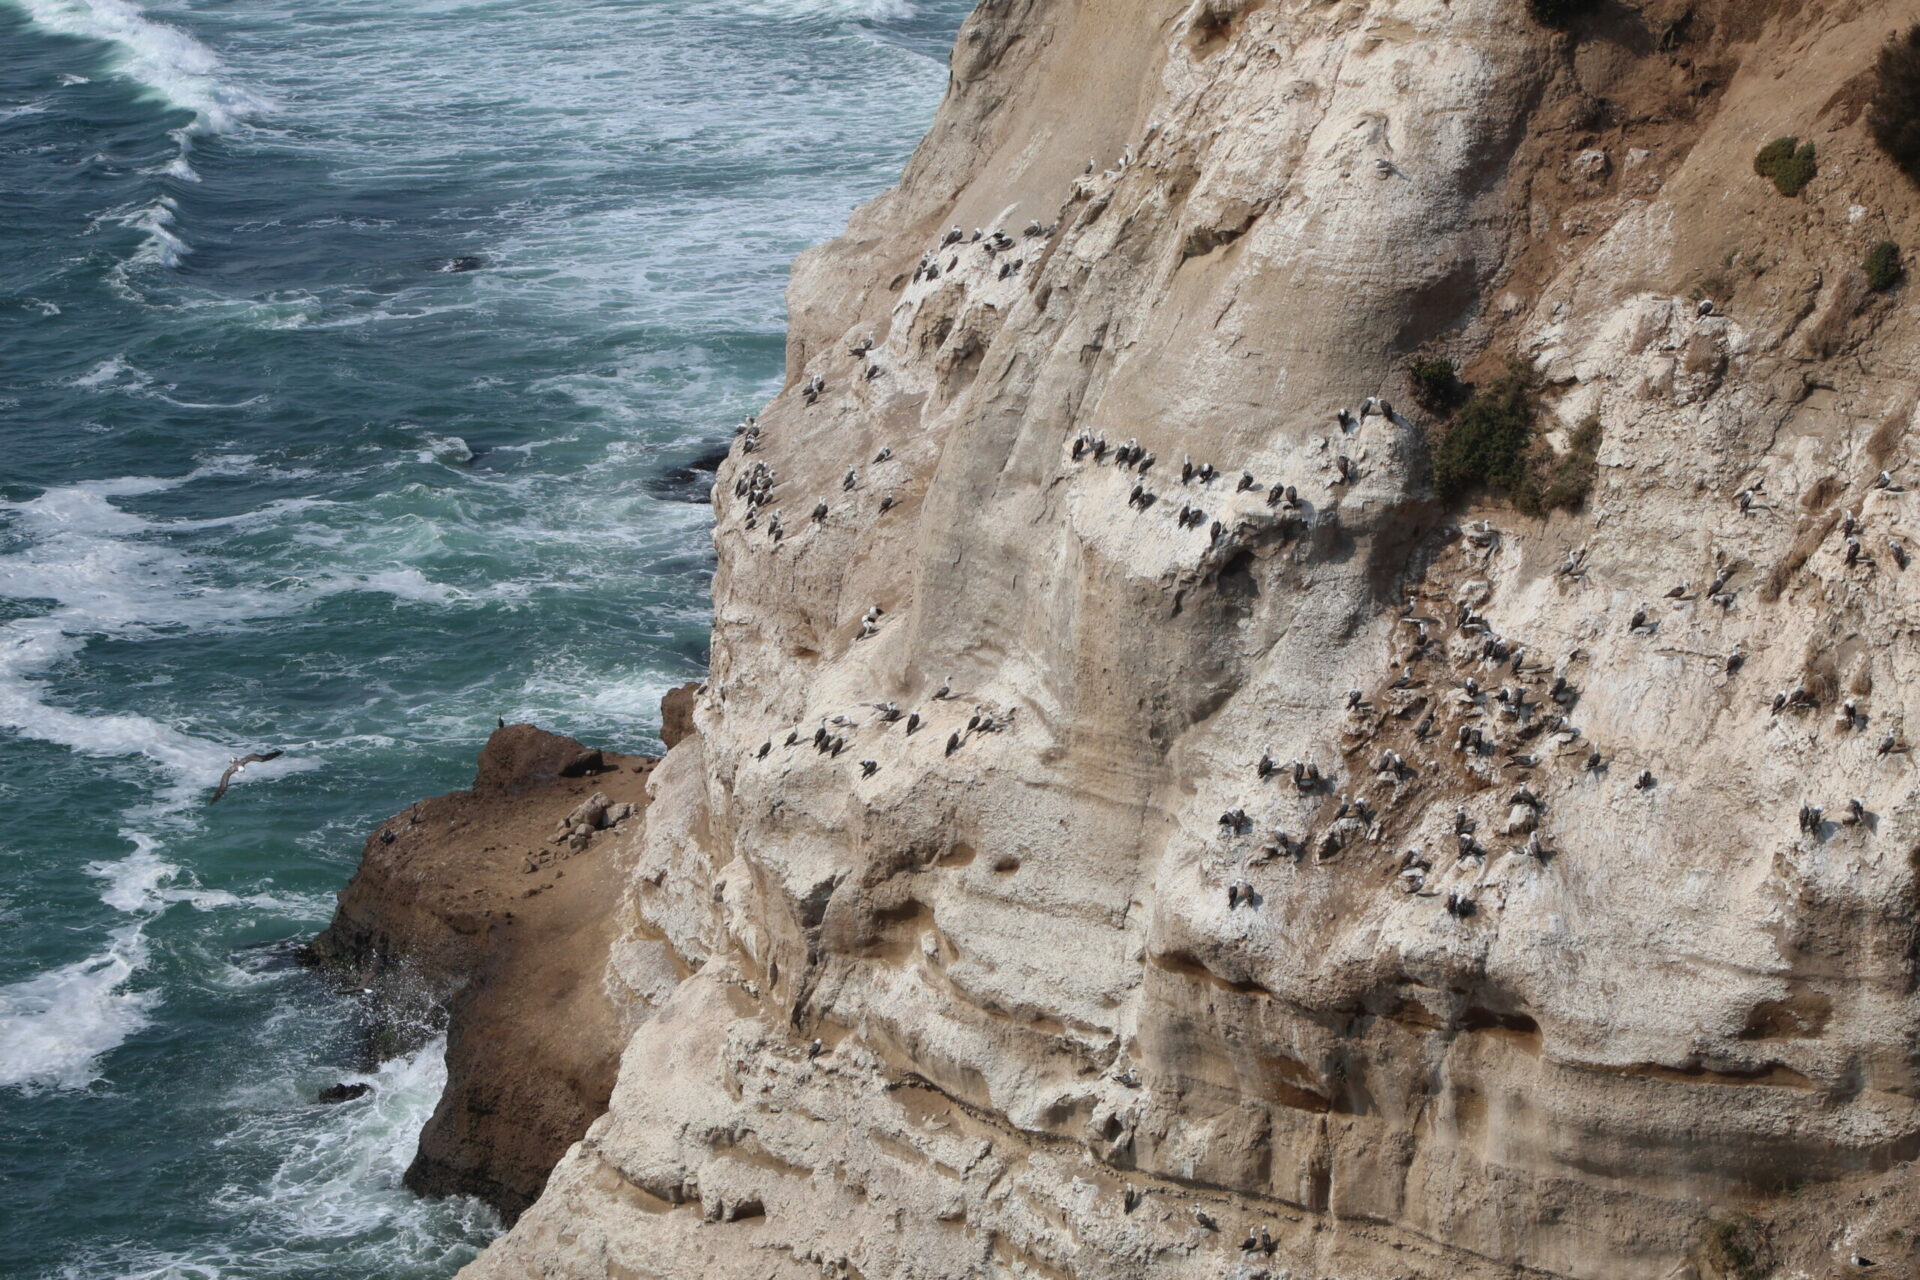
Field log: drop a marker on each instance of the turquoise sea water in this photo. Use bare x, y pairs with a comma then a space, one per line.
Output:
270, 476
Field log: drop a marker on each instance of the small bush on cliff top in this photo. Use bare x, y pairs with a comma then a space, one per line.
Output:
1883, 266
1893, 116
1436, 384
1487, 445
1789, 163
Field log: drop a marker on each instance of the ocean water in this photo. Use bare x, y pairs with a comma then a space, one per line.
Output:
271, 476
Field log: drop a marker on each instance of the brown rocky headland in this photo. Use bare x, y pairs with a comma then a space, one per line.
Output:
489, 913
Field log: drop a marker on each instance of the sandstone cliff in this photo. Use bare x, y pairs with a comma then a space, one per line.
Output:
1590, 995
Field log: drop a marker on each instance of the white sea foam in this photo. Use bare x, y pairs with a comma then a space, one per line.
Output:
448, 449
334, 1203
106, 576
338, 1179
56, 1026
873, 10
163, 60
144, 883
114, 371
163, 245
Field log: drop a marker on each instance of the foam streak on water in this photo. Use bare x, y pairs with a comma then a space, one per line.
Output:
274, 474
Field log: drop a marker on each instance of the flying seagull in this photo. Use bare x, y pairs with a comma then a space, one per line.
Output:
239, 765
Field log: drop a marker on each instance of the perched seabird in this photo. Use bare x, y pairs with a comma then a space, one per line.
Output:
1856, 812
1205, 1219
913, 724
1639, 619
764, 748
1680, 592
813, 1050
1736, 659
953, 743
237, 765
869, 767
1645, 781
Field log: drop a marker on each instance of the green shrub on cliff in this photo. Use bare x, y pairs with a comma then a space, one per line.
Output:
1486, 447
1883, 266
1893, 116
1436, 384
1788, 162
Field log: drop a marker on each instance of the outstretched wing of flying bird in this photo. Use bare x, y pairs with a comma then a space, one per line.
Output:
239, 764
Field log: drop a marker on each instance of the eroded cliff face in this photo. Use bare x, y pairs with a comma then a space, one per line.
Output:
1586, 996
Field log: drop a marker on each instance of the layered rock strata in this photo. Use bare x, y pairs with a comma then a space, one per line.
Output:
1539, 959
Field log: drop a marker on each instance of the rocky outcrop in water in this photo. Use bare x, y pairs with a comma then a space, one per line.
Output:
1244, 862
489, 914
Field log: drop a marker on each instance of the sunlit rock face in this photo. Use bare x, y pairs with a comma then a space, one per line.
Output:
1522, 953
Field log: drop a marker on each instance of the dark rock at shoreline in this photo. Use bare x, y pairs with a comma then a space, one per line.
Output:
690, 482
344, 1092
